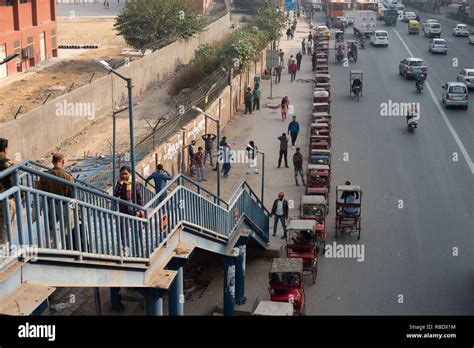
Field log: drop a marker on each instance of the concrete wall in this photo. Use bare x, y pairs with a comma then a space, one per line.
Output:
169, 153
35, 133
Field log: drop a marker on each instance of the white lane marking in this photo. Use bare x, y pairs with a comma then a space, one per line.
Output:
443, 115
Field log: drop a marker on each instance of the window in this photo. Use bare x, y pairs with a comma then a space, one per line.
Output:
457, 90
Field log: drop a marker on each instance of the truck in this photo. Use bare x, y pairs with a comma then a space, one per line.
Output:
390, 16
316, 5
364, 22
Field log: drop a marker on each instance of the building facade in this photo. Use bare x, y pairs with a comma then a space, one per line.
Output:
27, 27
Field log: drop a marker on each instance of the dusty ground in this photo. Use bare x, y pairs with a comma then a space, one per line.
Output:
30, 89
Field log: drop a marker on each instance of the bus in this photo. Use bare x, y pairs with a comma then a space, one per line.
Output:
336, 8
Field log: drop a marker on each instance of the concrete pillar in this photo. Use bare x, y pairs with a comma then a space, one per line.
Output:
176, 294
240, 276
229, 285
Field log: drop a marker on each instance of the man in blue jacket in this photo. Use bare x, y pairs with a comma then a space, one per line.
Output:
293, 130
160, 177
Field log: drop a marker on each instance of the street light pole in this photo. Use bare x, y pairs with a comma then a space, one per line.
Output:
218, 125
104, 64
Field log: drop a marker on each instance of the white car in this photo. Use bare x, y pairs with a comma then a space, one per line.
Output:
438, 46
461, 30
466, 76
432, 30
455, 94
409, 16
428, 21
379, 37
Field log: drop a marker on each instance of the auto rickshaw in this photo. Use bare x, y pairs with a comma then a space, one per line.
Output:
355, 74
348, 209
318, 180
413, 27
301, 243
316, 208
271, 308
286, 283
339, 35
318, 156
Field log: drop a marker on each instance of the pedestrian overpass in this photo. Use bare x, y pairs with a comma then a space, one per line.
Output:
114, 250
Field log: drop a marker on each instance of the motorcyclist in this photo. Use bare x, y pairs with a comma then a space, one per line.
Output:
328, 23
419, 79
362, 41
340, 52
352, 51
412, 113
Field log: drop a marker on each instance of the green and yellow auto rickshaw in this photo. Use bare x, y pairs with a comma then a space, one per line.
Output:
413, 27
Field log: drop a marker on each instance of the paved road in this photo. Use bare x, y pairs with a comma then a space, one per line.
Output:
408, 251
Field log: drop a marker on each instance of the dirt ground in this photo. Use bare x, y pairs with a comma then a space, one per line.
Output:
31, 89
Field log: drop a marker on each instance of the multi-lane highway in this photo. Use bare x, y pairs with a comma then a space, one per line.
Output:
418, 188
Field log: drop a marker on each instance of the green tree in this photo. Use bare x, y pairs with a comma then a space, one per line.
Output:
251, 6
241, 45
271, 22
152, 24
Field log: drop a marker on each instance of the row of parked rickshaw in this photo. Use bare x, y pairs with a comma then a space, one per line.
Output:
306, 235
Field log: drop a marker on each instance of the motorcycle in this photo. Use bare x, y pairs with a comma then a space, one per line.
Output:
412, 124
357, 91
362, 42
419, 85
339, 57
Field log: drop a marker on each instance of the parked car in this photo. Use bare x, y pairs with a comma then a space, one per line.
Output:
380, 37
466, 76
409, 16
438, 46
461, 30
428, 21
455, 94
410, 67
432, 30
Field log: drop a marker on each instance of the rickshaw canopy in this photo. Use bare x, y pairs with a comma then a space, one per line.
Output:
281, 265
314, 199
309, 225
272, 308
318, 167
352, 188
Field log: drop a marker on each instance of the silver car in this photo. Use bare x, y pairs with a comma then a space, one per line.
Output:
438, 46
466, 76
455, 94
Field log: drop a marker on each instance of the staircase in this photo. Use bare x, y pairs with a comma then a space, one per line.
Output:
93, 244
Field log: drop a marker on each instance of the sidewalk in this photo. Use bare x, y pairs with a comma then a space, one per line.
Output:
263, 127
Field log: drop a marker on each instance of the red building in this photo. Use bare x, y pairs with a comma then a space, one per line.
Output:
27, 27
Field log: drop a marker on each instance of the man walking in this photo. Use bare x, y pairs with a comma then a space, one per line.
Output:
252, 157
227, 159
298, 164
159, 177
256, 99
303, 45
299, 57
60, 189
208, 145
293, 130
278, 70
313, 61
5, 184
293, 68
248, 101
281, 54
199, 161
280, 212
283, 150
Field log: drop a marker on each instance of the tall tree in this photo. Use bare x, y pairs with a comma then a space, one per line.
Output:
152, 24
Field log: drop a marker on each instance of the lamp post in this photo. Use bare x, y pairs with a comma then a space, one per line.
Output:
263, 175
114, 141
105, 65
218, 122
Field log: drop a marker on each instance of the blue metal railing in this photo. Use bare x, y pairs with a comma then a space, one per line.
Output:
89, 224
